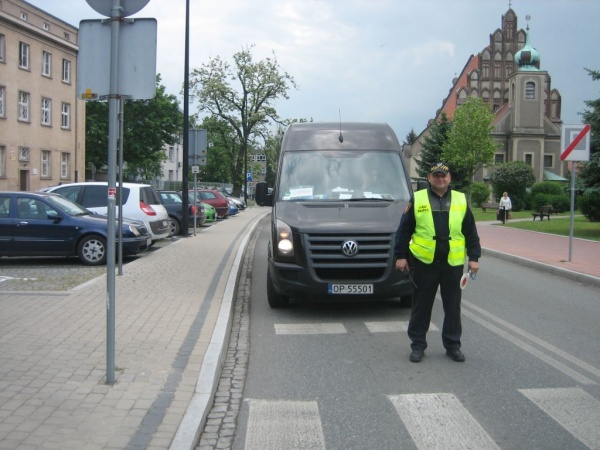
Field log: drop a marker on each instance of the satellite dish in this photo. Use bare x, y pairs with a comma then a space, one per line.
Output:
104, 7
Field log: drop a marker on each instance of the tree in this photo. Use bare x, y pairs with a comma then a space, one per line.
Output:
411, 137
148, 125
248, 106
470, 145
513, 177
431, 151
223, 146
589, 176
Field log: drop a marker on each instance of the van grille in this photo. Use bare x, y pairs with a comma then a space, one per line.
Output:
325, 257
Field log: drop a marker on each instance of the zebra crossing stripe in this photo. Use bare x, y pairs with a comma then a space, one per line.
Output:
282, 424
573, 408
309, 328
440, 421
393, 326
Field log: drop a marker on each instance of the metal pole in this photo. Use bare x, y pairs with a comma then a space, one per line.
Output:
120, 190
113, 128
186, 123
572, 226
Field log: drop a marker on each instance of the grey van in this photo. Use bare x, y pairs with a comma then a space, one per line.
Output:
339, 194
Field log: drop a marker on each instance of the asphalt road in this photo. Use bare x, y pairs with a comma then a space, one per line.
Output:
339, 377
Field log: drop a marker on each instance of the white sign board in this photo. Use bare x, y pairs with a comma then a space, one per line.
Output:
575, 143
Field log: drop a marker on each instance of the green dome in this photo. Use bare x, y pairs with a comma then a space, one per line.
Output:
528, 58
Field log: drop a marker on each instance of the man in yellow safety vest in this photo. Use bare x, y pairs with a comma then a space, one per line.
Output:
437, 233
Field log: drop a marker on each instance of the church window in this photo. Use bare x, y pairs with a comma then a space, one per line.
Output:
530, 90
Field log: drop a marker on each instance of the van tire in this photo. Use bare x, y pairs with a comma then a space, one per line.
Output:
275, 299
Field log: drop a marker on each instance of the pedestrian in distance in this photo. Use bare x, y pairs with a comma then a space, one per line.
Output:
504, 207
436, 234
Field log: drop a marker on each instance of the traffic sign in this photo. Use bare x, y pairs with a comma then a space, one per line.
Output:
249, 176
575, 142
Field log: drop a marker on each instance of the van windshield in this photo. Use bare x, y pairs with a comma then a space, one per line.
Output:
342, 175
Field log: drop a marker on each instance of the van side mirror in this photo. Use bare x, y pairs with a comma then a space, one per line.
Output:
422, 184
262, 195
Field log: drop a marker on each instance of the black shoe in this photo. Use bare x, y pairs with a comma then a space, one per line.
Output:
455, 354
417, 355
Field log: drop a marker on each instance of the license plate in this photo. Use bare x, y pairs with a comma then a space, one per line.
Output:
350, 289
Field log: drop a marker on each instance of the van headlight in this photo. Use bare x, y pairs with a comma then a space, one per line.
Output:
285, 244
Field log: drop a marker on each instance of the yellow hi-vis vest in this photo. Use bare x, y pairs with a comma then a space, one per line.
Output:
422, 244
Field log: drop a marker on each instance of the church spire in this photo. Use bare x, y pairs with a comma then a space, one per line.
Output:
528, 58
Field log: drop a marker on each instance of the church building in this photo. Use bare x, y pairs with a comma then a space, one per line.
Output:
506, 75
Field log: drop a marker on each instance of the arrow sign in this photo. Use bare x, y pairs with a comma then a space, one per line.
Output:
569, 143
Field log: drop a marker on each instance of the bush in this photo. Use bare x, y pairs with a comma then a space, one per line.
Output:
548, 187
560, 203
480, 192
589, 205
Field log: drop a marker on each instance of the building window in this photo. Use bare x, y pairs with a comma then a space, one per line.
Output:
548, 160
46, 111
530, 90
499, 158
24, 154
66, 116
23, 106
46, 64
2, 47
171, 154
66, 71
46, 26
23, 55
529, 159
65, 160
24, 16
2, 101
2, 161
46, 166
67, 37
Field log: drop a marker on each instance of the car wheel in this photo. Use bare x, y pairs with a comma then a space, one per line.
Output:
275, 300
92, 250
174, 227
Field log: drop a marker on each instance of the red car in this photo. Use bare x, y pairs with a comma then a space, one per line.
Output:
215, 199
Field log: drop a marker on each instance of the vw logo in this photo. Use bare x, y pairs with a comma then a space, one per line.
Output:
350, 248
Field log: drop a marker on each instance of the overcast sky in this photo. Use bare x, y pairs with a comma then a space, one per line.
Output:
375, 60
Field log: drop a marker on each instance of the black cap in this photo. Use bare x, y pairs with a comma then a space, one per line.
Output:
439, 167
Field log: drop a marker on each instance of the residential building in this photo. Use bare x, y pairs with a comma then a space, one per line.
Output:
42, 122
506, 74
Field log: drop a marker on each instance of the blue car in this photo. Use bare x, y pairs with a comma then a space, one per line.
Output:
46, 224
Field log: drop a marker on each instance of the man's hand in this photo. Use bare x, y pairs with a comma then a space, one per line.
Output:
402, 265
473, 267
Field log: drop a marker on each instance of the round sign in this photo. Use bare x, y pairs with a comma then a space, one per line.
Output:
105, 7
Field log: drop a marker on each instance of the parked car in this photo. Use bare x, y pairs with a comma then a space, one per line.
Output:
46, 224
233, 209
216, 199
239, 203
140, 202
173, 203
209, 212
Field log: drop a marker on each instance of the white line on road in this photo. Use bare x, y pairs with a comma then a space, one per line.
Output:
309, 328
573, 408
282, 424
393, 326
440, 421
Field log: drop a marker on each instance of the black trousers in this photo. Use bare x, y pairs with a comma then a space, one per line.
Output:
427, 278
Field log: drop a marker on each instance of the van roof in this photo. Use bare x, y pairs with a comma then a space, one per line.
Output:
326, 135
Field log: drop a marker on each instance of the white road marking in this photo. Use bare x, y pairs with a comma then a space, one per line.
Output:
591, 369
573, 408
282, 424
393, 326
440, 421
309, 328
530, 349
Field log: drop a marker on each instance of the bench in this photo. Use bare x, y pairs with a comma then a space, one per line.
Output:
544, 211
485, 206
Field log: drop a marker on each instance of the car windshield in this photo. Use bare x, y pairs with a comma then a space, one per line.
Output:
66, 205
342, 175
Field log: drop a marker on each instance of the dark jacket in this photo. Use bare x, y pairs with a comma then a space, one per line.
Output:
440, 207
